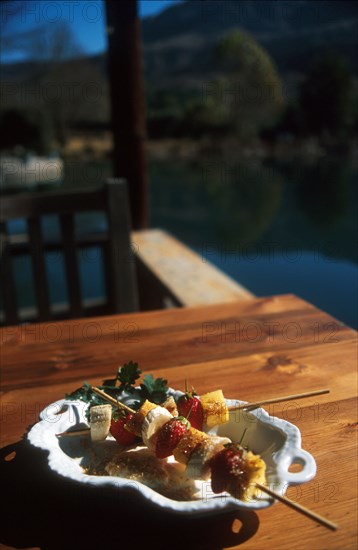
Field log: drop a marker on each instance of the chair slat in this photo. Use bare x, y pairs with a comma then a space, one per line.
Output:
60, 201
120, 268
39, 268
108, 275
71, 264
7, 280
123, 283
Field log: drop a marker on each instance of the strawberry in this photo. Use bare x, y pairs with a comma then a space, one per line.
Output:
169, 436
190, 407
119, 431
228, 470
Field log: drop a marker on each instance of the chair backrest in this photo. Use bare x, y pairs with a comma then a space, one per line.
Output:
119, 266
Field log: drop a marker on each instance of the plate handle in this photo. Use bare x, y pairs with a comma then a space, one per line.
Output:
308, 464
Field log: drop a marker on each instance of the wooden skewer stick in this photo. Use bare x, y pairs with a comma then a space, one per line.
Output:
112, 400
257, 404
299, 508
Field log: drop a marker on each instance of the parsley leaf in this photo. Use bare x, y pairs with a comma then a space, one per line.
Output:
111, 382
127, 375
154, 389
86, 394
82, 394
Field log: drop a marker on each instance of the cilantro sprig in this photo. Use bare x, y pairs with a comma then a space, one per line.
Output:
153, 389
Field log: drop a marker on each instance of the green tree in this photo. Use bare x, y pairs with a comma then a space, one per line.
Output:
326, 97
250, 88
63, 85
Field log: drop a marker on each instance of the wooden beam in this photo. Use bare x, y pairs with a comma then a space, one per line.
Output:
188, 279
128, 104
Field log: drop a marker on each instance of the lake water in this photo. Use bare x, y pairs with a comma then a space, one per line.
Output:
276, 228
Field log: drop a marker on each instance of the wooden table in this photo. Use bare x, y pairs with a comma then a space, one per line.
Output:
256, 349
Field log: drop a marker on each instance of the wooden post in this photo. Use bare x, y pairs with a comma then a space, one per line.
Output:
128, 104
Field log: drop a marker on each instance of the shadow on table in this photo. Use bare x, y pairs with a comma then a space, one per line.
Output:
43, 509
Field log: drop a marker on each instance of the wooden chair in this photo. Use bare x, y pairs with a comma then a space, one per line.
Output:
119, 265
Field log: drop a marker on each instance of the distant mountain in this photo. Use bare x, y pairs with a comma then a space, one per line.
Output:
273, 17
179, 42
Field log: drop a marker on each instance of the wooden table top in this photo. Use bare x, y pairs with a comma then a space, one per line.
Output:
256, 349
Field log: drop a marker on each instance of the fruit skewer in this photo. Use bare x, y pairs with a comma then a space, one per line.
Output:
231, 467
210, 408
203, 455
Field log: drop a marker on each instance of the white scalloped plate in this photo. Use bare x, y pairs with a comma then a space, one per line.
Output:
277, 441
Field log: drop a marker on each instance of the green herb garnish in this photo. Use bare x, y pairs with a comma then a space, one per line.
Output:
127, 375
86, 394
154, 389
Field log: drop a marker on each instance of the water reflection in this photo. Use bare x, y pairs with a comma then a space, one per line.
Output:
247, 197
322, 191
245, 204
275, 227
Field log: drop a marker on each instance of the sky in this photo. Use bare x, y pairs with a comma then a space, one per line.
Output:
86, 18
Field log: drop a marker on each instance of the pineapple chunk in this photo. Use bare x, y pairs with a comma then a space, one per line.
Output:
214, 408
187, 444
256, 470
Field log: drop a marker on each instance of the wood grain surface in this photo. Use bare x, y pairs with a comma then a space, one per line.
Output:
192, 280
253, 350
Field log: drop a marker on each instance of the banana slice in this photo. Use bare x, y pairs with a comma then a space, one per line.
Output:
152, 423
100, 421
135, 423
197, 467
